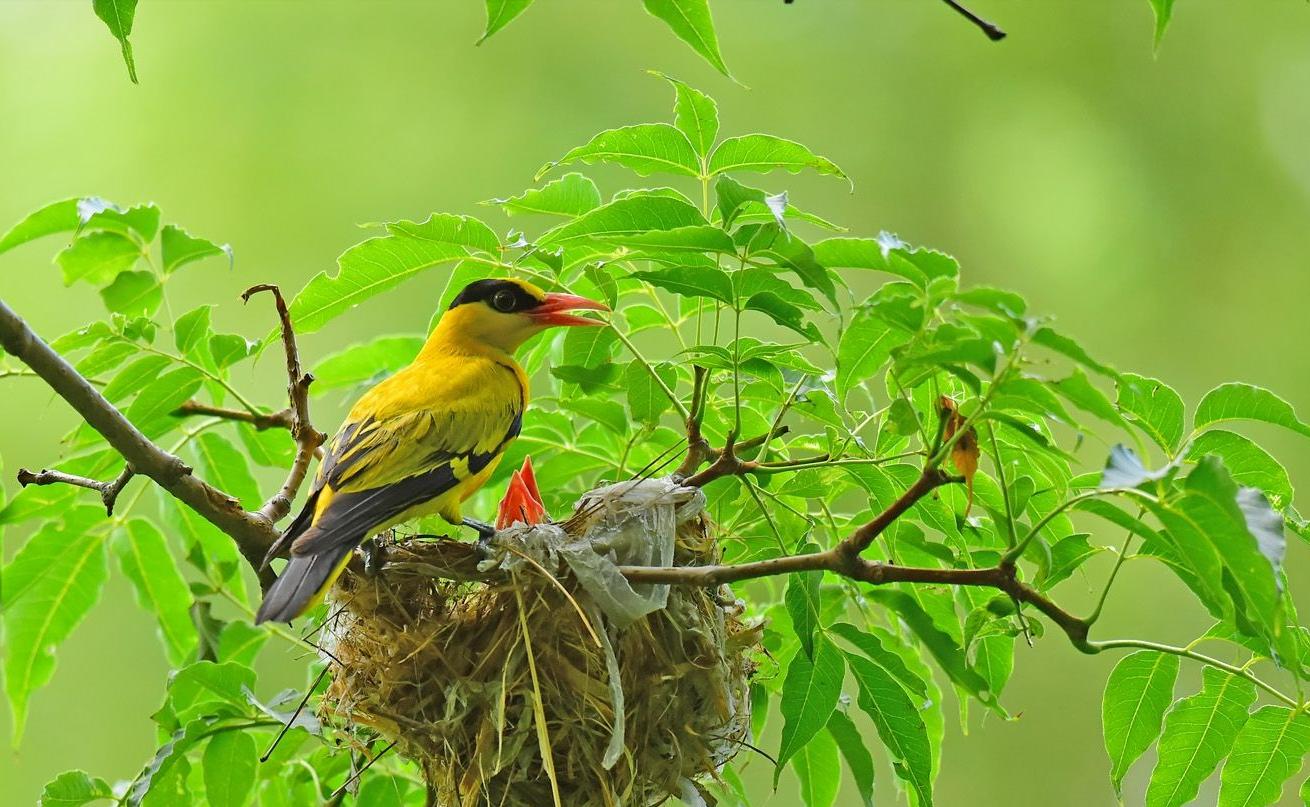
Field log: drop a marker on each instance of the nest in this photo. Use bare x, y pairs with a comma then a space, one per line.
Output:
540, 676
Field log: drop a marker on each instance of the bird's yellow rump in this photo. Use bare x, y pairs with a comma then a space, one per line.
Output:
423, 440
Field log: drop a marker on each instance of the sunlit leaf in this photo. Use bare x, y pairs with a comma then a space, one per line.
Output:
1199, 731
1268, 750
1154, 407
56, 217
691, 281
1235, 401
1163, 10
570, 196
1138, 692
691, 22
73, 789
627, 216
1247, 462
133, 294
501, 13
764, 153
647, 148
695, 114
160, 588
364, 363
899, 724
97, 258
117, 16
809, 695
1058, 342
178, 248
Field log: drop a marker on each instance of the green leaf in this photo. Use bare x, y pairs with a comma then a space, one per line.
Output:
134, 377
152, 410
117, 16
160, 588
809, 696
1247, 462
646, 401
764, 153
1163, 10
1154, 407
873, 647
229, 765
691, 22
137, 220
691, 281
192, 330
227, 349
899, 724
1137, 693
588, 347
694, 113
944, 649
383, 263
133, 294
802, 600
385, 791
1078, 390
97, 258
224, 467
240, 642
49, 587
627, 216
784, 313
178, 248
853, 749
731, 196
364, 363
609, 414
1067, 554
1269, 748
73, 789
1058, 342
1247, 402
570, 196
205, 688
647, 148
208, 549
56, 217
696, 238
865, 345
501, 13
819, 770
874, 254
1198, 733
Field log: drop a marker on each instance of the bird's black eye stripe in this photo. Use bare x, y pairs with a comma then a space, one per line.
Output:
501, 295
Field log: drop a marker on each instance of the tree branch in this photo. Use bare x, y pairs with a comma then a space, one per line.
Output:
307, 438
698, 448
252, 533
993, 32
108, 490
283, 419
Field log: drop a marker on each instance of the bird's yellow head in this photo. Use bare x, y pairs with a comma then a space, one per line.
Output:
504, 313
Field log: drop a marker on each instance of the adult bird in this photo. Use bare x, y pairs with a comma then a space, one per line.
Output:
423, 440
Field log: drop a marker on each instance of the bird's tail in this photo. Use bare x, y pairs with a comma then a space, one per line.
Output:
302, 584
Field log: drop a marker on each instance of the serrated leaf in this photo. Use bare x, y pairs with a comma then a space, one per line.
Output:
809, 696
178, 248
229, 767
1199, 731
899, 724
630, 215
117, 15
1268, 750
501, 13
690, 21
133, 294
56, 217
691, 281
856, 753
192, 330
570, 196
224, 467
764, 153
819, 770
694, 113
97, 258
1154, 407
1138, 692
160, 588
367, 362
865, 345
73, 789
49, 587
1247, 462
646, 148
1247, 402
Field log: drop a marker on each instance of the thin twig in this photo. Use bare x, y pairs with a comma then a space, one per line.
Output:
283, 419
341, 790
993, 32
108, 490
307, 438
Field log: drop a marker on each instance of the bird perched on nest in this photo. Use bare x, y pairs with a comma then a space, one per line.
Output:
423, 440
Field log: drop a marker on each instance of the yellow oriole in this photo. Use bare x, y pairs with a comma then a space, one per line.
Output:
421, 441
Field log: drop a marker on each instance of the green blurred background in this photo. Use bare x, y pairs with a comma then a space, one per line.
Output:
1160, 206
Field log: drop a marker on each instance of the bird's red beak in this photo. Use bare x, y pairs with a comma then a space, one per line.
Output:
551, 311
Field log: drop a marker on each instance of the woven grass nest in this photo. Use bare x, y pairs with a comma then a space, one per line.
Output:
539, 676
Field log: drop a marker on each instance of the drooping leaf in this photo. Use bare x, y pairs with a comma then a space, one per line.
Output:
570, 196
501, 13
1078, 390
97, 258
873, 647
695, 114
1058, 342
1265, 525
117, 15
899, 724
809, 695
943, 647
56, 217
133, 294
160, 588
856, 753
49, 587
178, 248
784, 313
764, 153
647, 148
1235, 401
1163, 10
1154, 407
819, 770
229, 766
1138, 692
73, 789
1268, 750
1199, 731
690, 21
802, 600
364, 363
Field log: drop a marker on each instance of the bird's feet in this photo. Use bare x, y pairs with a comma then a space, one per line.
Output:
485, 533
